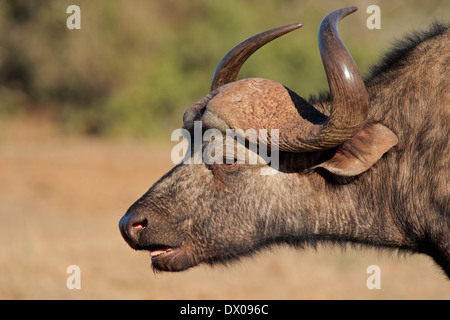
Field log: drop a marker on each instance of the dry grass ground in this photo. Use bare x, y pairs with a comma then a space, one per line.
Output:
60, 203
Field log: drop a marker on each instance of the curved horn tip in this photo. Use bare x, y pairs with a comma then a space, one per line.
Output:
228, 68
345, 11
296, 25
351, 9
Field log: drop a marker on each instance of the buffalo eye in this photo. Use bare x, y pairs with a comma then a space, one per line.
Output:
227, 165
229, 162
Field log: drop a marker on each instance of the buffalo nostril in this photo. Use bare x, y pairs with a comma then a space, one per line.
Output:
140, 225
131, 224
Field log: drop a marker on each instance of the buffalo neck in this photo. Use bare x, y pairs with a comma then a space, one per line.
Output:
339, 212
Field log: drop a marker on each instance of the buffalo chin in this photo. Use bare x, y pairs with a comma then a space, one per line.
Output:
174, 261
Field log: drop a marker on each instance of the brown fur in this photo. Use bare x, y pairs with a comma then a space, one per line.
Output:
211, 214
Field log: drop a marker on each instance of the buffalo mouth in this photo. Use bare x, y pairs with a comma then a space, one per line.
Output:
168, 258
155, 253
158, 252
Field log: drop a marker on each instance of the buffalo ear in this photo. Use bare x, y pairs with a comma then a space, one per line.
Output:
362, 151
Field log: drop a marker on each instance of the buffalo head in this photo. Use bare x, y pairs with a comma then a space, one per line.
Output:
216, 212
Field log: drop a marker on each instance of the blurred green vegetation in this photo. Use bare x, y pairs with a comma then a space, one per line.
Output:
135, 66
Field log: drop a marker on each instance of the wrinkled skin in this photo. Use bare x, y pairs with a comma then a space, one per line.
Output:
218, 213
188, 217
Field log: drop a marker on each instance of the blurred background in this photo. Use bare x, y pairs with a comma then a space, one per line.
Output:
85, 123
